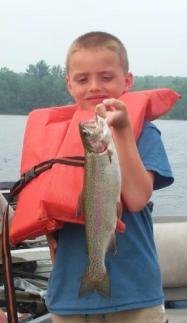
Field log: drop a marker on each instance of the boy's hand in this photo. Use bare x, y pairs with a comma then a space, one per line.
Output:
116, 113
52, 243
3, 318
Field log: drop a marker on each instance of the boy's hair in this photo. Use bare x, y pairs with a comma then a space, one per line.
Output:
99, 39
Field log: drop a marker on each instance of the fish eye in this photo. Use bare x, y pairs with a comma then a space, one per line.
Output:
85, 133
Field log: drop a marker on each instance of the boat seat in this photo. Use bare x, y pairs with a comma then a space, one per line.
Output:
177, 315
171, 243
43, 319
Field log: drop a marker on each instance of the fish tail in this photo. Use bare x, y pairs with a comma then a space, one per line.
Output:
102, 287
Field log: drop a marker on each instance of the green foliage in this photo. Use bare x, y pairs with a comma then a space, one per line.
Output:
40, 86
38, 71
44, 86
179, 84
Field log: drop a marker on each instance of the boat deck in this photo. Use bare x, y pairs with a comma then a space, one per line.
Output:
171, 241
174, 315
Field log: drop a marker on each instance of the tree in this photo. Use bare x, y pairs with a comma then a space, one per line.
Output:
40, 70
9, 91
57, 71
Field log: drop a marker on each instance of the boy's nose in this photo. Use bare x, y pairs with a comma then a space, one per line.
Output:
94, 85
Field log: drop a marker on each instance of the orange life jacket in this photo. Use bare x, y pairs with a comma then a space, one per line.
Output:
50, 199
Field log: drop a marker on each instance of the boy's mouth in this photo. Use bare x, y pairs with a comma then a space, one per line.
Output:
97, 98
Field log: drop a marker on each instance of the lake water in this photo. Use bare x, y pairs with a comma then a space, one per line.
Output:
169, 201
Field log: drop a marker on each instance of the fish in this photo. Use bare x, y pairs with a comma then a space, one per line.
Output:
99, 202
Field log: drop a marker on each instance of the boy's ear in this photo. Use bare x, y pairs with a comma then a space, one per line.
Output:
128, 81
68, 84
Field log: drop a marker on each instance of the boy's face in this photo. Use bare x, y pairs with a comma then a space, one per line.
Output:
95, 75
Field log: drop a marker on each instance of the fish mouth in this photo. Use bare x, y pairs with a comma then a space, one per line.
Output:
91, 133
89, 123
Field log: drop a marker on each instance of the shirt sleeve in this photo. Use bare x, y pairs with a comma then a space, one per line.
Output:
154, 156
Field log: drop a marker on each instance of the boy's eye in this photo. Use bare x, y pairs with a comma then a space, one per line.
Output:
107, 77
81, 80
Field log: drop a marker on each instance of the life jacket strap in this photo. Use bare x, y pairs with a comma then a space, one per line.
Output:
9, 289
35, 171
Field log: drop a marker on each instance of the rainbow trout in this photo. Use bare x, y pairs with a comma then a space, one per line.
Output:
100, 202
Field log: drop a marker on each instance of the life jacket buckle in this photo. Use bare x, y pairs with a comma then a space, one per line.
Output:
28, 176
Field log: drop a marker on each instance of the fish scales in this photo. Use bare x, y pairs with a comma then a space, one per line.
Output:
100, 197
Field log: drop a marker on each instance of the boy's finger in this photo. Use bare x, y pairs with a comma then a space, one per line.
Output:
101, 110
3, 318
52, 249
52, 254
114, 102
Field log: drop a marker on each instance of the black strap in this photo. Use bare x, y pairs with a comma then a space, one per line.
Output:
35, 171
7, 271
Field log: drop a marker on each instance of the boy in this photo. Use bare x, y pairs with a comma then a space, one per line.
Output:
97, 75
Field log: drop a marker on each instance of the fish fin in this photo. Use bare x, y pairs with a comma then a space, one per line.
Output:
87, 286
112, 247
80, 205
102, 287
120, 226
119, 210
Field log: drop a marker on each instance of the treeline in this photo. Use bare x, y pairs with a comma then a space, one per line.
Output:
178, 84
44, 86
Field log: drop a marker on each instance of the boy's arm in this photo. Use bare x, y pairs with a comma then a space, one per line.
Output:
137, 182
52, 243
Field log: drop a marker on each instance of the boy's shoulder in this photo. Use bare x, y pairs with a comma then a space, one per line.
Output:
150, 126
150, 135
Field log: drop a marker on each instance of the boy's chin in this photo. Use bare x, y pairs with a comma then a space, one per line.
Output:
88, 107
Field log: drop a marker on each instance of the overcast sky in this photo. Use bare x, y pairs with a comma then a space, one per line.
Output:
154, 31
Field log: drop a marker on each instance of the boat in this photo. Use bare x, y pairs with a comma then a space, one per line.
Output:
171, 243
